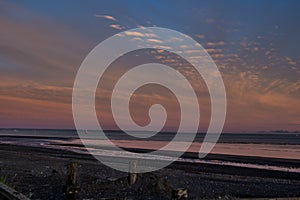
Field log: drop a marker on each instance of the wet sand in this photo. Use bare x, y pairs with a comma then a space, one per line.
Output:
40, 173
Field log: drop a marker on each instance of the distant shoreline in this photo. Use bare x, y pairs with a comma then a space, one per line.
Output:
171, 132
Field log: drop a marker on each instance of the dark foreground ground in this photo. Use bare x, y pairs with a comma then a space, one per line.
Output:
41, 174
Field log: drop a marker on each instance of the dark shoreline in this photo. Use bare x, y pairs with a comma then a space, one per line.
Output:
39, 171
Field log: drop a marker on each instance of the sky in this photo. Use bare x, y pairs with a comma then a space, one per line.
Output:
255, 45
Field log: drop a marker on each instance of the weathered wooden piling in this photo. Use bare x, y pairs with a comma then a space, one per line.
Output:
132, 176
71, 188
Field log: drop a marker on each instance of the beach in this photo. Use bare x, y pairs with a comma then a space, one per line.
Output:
41, 173
149, 100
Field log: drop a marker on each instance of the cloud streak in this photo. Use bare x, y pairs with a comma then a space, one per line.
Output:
109, 17
116, 26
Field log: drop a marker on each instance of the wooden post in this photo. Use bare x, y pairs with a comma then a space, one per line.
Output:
132, 176
71, 185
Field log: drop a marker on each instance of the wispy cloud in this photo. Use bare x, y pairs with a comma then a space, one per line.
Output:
155, 41
116, 26
134, 33
200, 36
109, 17
290, 61
220, 43
37, 91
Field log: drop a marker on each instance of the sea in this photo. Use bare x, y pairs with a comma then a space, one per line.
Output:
261, 145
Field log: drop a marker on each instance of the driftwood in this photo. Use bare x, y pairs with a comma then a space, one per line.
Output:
180, 193
71, 188
7, 192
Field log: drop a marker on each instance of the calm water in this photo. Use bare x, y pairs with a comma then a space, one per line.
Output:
269, 145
